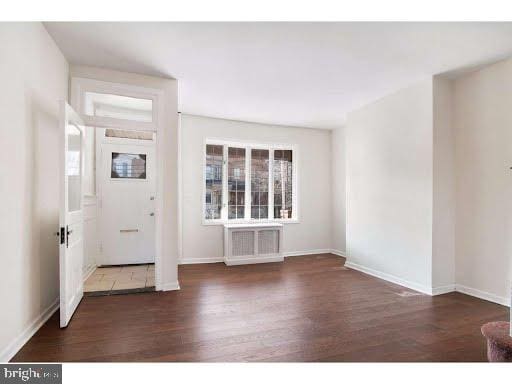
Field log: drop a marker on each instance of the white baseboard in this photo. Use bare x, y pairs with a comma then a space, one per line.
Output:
431, 291
89, 272
13, 347
305, 253
204, 260
207, 260
390, 278
483, 295
171, 286
255, 260
443, 289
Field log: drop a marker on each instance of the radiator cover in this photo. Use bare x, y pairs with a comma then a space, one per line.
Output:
253, 243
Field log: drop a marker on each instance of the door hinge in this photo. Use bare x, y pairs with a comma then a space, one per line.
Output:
62, 235
68, 232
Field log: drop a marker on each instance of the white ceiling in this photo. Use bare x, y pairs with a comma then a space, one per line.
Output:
300, 74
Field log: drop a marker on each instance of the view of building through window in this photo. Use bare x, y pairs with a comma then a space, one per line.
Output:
259, 183
236, 183
128, 166
269, 190
213, 180
283, 184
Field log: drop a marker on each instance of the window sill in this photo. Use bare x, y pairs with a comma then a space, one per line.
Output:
278, 221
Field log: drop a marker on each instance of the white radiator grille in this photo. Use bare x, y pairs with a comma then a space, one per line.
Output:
242, 243
268, 242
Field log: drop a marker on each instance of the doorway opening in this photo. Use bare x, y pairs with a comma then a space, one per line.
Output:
125, 181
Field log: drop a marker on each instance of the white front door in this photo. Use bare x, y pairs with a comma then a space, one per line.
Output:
127, 202
71, 249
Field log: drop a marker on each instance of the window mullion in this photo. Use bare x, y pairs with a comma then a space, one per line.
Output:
248, 196
294, 184
271, 184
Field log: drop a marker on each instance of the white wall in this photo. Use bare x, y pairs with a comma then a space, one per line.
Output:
443, 199
429, 185
338, 151
483, 126
34, 77
313, 233
169, 136
389, 186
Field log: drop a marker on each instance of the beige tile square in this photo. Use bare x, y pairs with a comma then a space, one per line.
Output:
150, 282
139, 276
126, 272
125, 277
93, 278
151, 267
97, 272
150, 274
98, 286
128, 285
113, 277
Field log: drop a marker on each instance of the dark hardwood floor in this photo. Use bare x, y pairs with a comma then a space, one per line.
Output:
308, 308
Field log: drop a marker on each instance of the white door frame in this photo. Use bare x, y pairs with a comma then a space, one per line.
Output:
79, 86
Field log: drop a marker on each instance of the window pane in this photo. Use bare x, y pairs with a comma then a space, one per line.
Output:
283, 184
73, 168
128, 166
213, 181
259, 183
236, 183
136, 135
118, 107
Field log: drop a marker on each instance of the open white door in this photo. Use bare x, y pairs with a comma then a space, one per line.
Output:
71, 252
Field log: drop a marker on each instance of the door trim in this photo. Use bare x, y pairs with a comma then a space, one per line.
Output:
80, 85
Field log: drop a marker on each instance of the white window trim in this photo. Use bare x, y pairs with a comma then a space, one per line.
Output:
80, 86
248, 145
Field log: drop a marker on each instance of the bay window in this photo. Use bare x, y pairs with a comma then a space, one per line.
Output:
245, 183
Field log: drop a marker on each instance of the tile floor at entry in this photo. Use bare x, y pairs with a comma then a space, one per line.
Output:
105, 279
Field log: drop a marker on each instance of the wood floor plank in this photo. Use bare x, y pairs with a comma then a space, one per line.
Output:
308, 308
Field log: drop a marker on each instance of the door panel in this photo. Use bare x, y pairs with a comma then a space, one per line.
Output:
127, 190
71, 249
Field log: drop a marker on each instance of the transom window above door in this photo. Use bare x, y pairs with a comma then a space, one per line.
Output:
114, 105
249, 182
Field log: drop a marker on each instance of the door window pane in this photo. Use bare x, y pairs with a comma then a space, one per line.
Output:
259, 183
118, 107
213, 181
74, 167
283, 184
236, 183
128, 166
